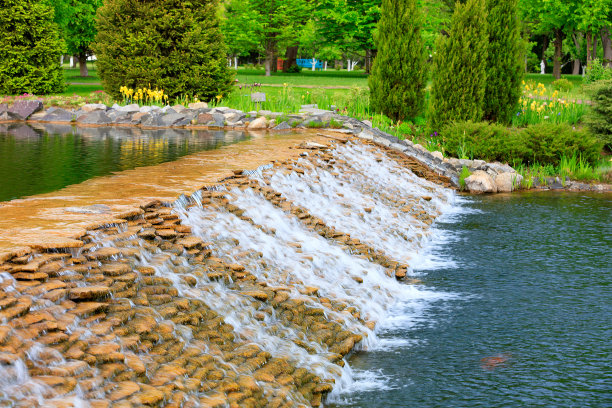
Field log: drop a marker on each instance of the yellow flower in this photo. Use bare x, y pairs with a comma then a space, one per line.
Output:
219, 97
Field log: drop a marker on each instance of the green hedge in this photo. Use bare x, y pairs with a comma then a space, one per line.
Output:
30, 49
542, 143
599, 119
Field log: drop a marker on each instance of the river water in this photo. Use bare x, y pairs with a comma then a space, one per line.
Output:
524, 315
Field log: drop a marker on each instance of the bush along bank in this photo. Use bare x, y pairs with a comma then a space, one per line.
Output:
464, 140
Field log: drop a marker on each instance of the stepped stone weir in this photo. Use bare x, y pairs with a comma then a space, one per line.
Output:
252, 292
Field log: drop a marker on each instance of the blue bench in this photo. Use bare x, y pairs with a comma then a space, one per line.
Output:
307, 63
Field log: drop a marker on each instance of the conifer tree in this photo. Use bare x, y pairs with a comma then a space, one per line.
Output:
397, 81
173, 45
505, 61
30, 48
459, 77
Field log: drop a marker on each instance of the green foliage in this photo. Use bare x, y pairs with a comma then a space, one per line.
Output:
77, 20
459, 78
173, 45
562, 85
481, 140
505, 61
465, 173
239, 29
397, 82
599, 119
542, 143
30, 48
597, 72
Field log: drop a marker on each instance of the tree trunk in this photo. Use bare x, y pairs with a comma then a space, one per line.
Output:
270, 54
606, 43
73, 61
558, 53
275, 61
83, 65
594, 55
577, 65
589, 39
290, 57
368, 61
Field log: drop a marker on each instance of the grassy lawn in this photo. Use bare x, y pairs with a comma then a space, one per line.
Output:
306, 77
577, 92
74, 75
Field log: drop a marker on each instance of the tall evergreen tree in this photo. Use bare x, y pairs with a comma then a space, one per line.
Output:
171, 44
30, 48
397, 82
505, 61
459, 78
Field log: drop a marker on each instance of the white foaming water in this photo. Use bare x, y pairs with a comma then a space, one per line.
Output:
283, 251
379, 211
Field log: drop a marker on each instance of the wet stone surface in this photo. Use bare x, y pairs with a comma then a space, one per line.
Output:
210, 303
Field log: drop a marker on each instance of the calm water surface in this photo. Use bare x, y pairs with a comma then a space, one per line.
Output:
34, 161
524, 317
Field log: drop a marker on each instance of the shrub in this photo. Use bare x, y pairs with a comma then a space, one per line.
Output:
481, 140
562, 85
546, 143
294, 69
505, 61
173, 45
459, 78
397, 82
597, 72
30, 49
542, 143
599, 119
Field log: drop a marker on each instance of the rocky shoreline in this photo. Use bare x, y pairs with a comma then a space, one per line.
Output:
485, 177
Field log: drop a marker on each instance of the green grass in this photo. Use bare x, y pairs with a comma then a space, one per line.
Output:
306, 77
82, 90
577, 92
573, 167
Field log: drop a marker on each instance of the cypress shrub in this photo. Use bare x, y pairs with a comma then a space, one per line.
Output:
505, 61
173, 45
459, 74
30, 48
397, 82
599, 119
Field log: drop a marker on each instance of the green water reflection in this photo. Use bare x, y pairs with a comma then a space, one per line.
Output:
44, 159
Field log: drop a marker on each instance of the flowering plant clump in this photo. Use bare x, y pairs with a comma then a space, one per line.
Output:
537, 105
143, 96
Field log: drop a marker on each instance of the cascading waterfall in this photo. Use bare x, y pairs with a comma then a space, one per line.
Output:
253, 291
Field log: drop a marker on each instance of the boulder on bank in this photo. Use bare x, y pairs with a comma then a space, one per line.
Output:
480, 182
24, 109
259, 123
508, 182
